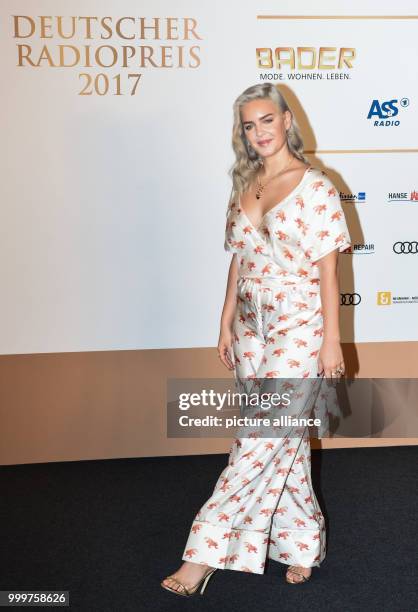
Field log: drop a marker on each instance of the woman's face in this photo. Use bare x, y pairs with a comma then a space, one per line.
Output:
264, 126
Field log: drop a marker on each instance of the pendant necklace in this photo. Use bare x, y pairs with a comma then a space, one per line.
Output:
260, 187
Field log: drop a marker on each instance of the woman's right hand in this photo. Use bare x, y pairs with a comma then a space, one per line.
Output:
224, 348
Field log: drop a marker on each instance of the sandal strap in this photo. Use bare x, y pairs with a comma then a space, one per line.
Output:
180, 584
195, 588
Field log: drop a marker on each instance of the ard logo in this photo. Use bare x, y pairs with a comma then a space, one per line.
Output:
384, 298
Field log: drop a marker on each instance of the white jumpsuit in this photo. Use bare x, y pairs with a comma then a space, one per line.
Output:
263, 504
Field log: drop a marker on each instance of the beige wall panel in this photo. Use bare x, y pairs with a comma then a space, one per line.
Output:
104, 405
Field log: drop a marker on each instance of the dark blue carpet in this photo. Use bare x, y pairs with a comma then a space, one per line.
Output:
109, 531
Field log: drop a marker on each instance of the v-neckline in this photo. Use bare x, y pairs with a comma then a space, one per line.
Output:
275, 205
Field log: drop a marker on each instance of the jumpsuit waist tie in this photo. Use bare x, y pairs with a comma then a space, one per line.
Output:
276, 282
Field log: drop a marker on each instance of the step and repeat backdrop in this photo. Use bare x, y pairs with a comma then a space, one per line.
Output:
116, 143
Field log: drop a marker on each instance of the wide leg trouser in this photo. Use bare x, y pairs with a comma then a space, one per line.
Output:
263, 504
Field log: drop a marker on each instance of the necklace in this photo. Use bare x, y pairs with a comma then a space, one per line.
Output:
260, 187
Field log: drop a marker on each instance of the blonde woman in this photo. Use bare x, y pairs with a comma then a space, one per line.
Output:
285, 228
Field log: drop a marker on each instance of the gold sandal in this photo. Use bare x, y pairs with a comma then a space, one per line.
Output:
189, 592
294, 570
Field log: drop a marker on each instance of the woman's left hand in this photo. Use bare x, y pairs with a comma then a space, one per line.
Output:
331, 359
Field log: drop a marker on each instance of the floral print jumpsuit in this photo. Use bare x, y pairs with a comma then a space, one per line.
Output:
263, 504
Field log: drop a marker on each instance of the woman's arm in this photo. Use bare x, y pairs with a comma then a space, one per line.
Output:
228, 313
330, 355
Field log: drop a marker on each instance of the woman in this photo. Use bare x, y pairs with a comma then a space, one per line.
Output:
285, 228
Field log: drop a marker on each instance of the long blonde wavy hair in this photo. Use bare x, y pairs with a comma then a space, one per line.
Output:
247, 161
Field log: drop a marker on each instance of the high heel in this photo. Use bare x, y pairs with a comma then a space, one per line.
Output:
189, 592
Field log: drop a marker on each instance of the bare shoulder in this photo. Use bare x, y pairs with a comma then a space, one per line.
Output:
298, 169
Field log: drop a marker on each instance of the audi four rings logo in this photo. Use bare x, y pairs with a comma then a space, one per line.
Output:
406, 247
350, 299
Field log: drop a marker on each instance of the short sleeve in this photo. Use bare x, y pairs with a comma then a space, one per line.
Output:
229, 248
325, 224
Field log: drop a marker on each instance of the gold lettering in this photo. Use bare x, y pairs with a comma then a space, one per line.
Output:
151, 55
146, 53
106, 27
62, 49
44, 26
17, 33
155, 28
127, 53
98, 54
21, 56
118, 27
172, 27
264, 57
321, 60
286, 60
195, 57
346, 55
310, 50
87, 58
180, 63
45, 55
190, 28
324, 58
166, 53
88, 25
60, 28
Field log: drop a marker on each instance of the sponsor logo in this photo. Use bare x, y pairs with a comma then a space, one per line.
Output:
360, 249
406, 248
350, 299
305, 58
402, 196
383, 113
353, 198
385, 298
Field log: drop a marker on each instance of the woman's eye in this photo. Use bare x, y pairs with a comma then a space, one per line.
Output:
268, 120
247, 127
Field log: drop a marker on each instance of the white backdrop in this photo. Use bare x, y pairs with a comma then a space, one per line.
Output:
113, 206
